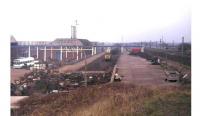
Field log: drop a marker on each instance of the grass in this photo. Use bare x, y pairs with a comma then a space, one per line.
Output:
111, 100
170, 104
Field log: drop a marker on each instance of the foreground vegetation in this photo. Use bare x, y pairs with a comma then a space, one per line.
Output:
111, 100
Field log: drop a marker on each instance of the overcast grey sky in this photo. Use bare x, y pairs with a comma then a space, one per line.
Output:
99, 20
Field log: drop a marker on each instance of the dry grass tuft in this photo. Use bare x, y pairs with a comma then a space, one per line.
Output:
111, 100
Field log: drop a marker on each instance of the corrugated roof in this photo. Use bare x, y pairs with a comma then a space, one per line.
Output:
85, 42
56, 42
33, 42
71, 42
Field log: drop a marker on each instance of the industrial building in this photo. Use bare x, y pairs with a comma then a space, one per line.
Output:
61, 49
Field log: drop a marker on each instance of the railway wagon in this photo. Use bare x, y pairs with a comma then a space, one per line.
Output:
137, 50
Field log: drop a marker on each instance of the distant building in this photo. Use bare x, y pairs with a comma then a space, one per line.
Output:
61, 49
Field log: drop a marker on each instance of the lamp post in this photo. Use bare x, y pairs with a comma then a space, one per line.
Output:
85, 68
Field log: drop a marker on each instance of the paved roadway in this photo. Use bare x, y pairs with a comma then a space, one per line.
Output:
139, 71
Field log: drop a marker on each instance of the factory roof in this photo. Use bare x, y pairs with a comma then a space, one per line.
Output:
56, 42
71, 42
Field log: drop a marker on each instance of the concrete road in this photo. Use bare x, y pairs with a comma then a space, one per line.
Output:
139, 71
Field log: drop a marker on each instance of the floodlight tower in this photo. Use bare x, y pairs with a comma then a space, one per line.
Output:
74, 30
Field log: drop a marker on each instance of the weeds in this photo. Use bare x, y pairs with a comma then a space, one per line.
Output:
111, 100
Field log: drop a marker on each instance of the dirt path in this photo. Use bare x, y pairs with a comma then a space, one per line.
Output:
139, 71
17, 73
80, 64
14, 100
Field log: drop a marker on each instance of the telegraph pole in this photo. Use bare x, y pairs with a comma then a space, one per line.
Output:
156, 44
160, 43
182, 49
85, 68
122, 45
150, 44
